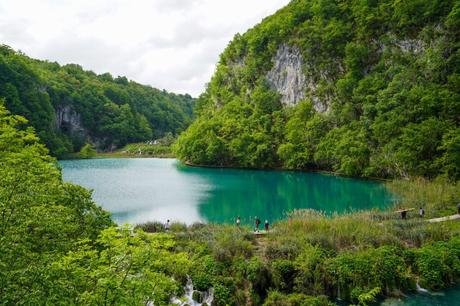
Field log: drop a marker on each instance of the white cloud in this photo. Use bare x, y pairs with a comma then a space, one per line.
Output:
169, 44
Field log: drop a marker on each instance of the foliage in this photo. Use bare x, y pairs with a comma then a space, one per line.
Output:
87, 151
368, 297
69, 106
42, 217
72, 254
276, 298
58, 247
160, 149
126, 268
386, 71
438, 263
151, 227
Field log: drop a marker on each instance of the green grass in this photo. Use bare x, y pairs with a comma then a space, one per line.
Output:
358, 256
133, 150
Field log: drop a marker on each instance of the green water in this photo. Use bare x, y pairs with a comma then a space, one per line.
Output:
448, 297
139, 190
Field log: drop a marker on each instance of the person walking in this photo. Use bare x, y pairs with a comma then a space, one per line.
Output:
421, 212
458, 208
257, 221
266, 225
238, 221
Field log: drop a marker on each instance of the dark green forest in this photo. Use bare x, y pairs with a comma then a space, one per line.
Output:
73, 254
387, 73
69, 106
381, 98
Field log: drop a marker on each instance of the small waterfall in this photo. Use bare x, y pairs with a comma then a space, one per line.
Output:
187, 299
420, 289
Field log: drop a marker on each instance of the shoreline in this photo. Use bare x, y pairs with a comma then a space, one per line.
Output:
324, 172
189, 164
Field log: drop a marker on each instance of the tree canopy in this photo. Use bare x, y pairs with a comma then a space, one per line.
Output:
100, 109
387, 70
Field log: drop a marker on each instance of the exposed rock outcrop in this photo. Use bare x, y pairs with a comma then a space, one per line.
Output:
286, 76
289, 78
68, 121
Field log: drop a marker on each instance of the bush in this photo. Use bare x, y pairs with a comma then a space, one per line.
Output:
383, 267
284, 272
276, 298
151, 227
177, 227
230, 243
438, 263
87, 151
203, 272
310, 275
259, 276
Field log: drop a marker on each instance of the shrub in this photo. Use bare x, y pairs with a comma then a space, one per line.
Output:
203, 272
230, 243
276, 298
309, 265
438, 264
284, 272
259, 276
178, 227
151, 227
87, 151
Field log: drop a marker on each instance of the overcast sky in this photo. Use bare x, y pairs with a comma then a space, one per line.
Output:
169, 44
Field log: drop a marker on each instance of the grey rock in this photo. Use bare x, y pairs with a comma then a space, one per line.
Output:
68, 121
286, 76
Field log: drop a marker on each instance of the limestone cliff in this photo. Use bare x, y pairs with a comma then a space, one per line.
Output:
69, 121
286, 76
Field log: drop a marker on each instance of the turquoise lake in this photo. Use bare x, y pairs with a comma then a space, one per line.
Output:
140, 190
150, 189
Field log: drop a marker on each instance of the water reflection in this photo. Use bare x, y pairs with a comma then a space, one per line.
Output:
139, 190
270, 194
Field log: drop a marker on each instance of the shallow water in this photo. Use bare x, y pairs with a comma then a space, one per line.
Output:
139, 190
449, 297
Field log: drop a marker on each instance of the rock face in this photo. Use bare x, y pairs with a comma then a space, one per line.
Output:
286, 76
289, 79
68, 121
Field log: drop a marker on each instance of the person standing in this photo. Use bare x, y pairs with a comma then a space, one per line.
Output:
421, 212
458, 208
266, 225
167, 226
257, 221
238, 221
404, 214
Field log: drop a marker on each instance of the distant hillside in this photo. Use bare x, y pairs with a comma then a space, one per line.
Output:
366, 88
69, 106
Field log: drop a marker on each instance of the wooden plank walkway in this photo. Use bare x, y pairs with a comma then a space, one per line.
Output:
442, 219
261, 233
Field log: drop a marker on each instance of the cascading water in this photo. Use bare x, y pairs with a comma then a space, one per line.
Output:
420, 289
188, 299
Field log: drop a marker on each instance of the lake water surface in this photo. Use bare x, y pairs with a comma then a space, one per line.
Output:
139, 190
148, 189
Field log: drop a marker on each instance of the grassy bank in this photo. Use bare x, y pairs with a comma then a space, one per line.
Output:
311, 259
133, 150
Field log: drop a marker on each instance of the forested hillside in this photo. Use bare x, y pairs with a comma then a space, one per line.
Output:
362, 88
57, 247
69, 106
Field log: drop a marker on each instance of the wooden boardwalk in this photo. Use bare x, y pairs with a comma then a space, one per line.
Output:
442, 219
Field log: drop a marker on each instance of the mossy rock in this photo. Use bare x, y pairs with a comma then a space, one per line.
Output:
197, 296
